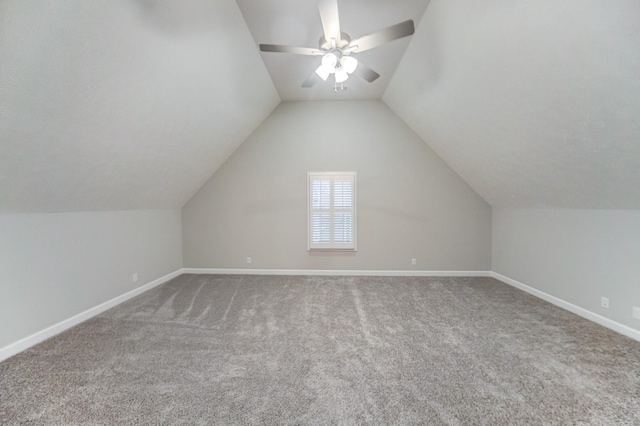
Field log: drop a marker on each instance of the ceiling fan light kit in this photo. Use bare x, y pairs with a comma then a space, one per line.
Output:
340, 67
349, 64
323, 72
341, 75
329, 60
336, 47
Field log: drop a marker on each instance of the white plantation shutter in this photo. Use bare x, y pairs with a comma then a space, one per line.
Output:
332, 210
321, 227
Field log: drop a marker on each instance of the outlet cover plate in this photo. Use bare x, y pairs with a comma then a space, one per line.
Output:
604, 302
636, 312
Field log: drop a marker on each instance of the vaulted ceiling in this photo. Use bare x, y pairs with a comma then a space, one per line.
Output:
126, 104
122, 104
533, 103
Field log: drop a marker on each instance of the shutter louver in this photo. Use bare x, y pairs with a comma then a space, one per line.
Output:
342, 228
321, 190
321, 227
343, 193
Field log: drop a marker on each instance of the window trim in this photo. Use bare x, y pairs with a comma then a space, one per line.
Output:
311, 175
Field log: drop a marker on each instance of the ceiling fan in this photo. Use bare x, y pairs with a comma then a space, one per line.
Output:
336, 47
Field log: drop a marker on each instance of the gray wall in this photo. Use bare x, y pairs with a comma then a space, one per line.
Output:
410, 203
54, 266
575, 255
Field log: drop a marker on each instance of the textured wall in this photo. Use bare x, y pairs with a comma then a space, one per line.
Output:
575, 255
54, 266
410, 203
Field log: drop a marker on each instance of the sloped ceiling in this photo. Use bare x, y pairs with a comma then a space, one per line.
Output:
128, 104
534, 104
122, 104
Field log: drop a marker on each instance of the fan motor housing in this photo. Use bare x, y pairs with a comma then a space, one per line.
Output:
326, 45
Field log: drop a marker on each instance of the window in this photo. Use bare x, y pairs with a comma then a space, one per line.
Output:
332, 211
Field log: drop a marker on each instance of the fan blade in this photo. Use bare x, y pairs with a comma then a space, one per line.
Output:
366, 73
290, 49
311, 81
330, 19
383, 36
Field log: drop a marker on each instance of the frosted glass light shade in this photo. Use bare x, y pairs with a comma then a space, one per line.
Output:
349, 64
323, 72
329, 60
341, 75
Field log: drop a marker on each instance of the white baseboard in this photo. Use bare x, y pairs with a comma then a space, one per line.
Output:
591, 316
34, 339
337, 272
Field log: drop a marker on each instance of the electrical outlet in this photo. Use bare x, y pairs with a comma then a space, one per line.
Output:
248, 260
604, 302
414, 261
636, 312
134, 278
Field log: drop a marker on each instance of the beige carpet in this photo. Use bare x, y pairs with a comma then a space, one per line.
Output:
327, 350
